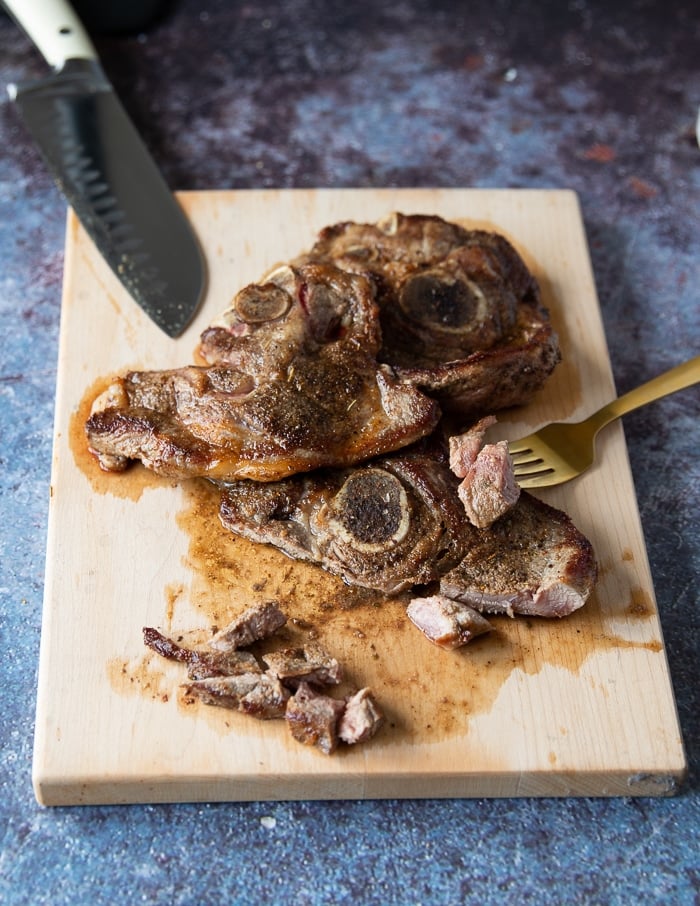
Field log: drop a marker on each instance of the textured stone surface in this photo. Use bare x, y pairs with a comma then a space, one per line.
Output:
595, 96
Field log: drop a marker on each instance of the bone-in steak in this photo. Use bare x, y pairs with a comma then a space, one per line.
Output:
388, 525
461, 315
398, 522
293, 384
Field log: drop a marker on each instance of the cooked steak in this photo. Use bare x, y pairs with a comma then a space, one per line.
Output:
313, 718
361, 718
488, 488
310, 664
292, 384
531, 561
256, 623
461, 314
447, 623
201, 664
257, 694
391, 524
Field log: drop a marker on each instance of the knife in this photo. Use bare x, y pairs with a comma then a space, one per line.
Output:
104, 170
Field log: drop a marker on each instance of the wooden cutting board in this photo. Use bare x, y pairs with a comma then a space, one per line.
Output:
581, 706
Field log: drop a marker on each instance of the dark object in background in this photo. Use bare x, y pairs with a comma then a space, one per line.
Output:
109, 17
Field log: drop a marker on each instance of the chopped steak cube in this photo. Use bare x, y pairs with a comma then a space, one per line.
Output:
313, 718
252, 625
257, 694
311, 664
361, 719
447, 623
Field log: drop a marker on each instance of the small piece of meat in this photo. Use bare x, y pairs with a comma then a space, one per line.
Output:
257, 694
201, 664
464, 448
488, 489
310, 664
292, 384
531, 561
461, 314
313, 718
361, 718
449, 624
255, 623
388, 525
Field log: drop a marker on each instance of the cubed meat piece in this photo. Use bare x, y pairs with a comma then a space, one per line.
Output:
257, 694
361, 719
449, 624
464, 448
488, 489
313, 718
310, 664
255, 623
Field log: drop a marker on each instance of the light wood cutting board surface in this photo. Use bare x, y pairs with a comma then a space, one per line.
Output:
580, 706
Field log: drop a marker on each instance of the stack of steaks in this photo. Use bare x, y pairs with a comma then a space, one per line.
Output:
324, 406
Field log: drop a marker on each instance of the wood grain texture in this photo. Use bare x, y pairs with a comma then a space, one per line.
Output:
581, 706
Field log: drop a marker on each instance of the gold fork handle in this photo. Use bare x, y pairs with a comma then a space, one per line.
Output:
677, 378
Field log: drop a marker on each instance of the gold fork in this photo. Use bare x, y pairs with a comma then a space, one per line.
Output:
563, 450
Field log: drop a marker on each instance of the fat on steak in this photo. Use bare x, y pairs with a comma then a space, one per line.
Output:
389, 525
531, 561
447, 623
461, 315
292, 383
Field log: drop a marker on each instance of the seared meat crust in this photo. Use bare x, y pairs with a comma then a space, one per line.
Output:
293, 384
531, 561
390, 524
461, 314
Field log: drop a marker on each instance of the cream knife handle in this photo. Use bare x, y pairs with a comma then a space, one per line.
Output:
54, 29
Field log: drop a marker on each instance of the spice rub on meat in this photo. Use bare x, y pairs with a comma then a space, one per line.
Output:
292, 384
398, 522
389, 525
461, 315
531, 561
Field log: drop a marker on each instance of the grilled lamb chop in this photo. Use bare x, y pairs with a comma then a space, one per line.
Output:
313, 718
391, 524
449, 624
531, 561
292, 384
461, 315
201, 664
311, 665
361, 718
256, 623
488, 488
257, 694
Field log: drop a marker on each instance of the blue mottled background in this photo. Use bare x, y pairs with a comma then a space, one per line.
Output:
599, 97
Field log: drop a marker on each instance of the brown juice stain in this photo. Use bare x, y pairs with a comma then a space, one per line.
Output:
426, 693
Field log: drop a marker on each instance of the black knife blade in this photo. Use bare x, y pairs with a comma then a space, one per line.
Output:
103, 169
